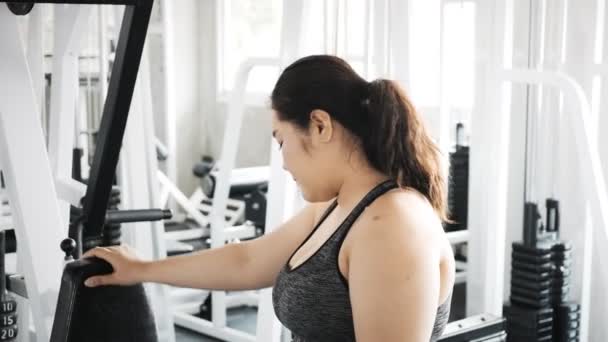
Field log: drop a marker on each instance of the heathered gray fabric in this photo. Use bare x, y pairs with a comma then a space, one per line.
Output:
312, 300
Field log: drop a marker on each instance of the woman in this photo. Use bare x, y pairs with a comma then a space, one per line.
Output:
367, 259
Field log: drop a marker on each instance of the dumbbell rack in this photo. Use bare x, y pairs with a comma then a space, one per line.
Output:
540, 284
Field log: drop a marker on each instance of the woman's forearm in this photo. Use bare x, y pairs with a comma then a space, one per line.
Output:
224, 268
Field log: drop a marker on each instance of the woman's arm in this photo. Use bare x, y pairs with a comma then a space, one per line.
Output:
244, 266
250, 265
394, 280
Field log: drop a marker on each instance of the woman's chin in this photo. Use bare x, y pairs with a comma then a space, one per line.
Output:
311, 198
302, 193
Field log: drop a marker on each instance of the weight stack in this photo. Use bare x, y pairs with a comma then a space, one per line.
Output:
567, 318
458, 195
540, 285
524, 324
566, 315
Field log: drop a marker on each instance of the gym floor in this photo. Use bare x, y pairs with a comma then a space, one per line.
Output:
245, 318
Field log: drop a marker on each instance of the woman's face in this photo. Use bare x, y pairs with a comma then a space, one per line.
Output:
309, 157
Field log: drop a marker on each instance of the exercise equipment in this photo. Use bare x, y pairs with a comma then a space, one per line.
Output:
20, 8
8, 305
202, 170
246, 208
248, 185
540, 284
38, 177
108, 313
458, 185
486, 328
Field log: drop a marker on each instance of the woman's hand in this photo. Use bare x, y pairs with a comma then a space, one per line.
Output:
128, 267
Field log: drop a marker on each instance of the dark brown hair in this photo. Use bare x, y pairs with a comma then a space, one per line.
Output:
378, 114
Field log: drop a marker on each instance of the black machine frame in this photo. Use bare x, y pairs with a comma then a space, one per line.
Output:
116, 107
111, 131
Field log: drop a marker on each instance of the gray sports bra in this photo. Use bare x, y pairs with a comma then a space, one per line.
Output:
312, 300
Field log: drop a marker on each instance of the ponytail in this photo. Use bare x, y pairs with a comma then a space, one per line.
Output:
379, 114
398, 144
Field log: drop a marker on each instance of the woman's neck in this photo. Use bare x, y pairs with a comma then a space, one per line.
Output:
357, 184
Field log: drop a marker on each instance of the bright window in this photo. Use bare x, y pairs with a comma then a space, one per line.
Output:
459, 44
248, 29
424, 52
344, 27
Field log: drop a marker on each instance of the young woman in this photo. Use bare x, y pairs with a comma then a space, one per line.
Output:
367, 260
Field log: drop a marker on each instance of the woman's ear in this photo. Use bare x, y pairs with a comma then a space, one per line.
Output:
321, 126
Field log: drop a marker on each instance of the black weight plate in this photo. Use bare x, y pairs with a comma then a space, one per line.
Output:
565, 318
531, 258
569, 334
567, 264
523, 338
546, 267
573, 325
8, 319
523, 325
8, 305
559, 282
523, 331
536, 251
556, 300
544, 314
568, 307
530, 276
530, 302
561, 254
562, 273
531, 294
561, 246
9, 333
519, 325
530, 284
556, 289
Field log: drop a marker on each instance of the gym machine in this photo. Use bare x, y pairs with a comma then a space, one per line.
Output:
246, 198
73, 309
540, 282
8, 305
247, 185
458, 194
479, 328
458, 184
539, 307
